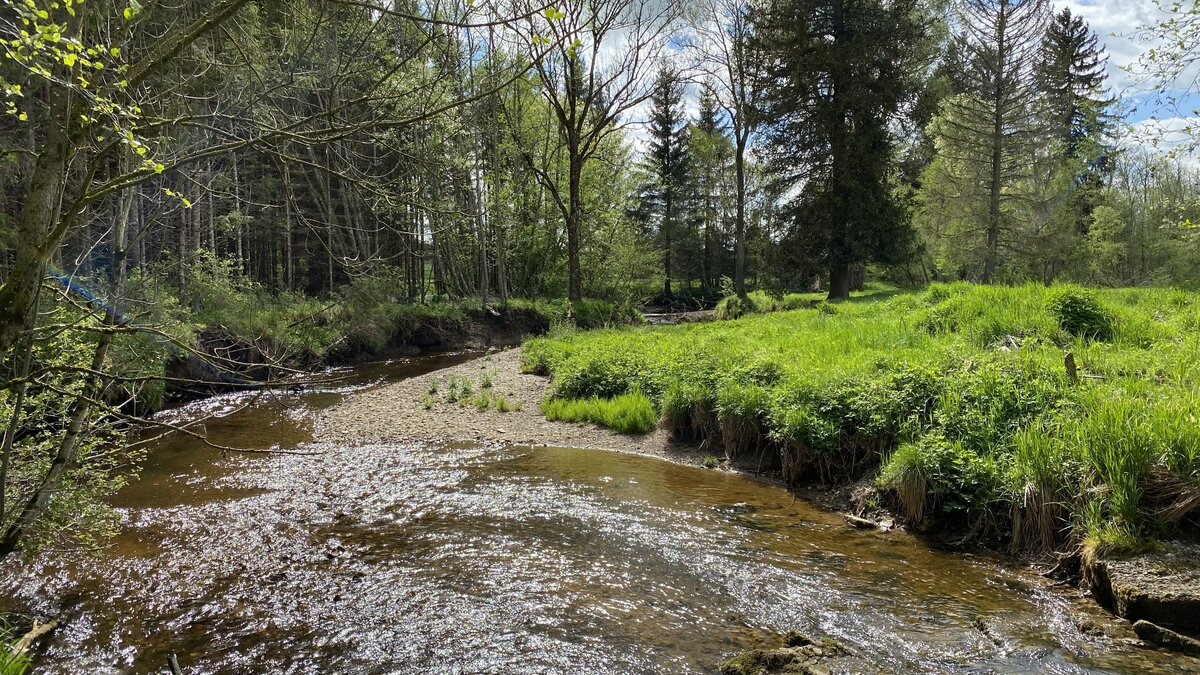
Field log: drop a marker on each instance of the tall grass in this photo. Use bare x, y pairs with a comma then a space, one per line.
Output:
960, 397
630, 413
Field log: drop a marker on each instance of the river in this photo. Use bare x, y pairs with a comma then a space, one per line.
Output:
466, 558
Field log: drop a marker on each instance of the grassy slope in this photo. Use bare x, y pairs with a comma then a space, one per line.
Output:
959, 395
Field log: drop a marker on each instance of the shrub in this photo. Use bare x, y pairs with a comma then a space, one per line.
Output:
1079, 313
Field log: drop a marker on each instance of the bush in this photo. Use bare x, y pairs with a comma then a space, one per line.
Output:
1079, 313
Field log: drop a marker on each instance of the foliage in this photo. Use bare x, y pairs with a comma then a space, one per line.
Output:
630, 413
839, 72
958, 394
12, 664
1079, 313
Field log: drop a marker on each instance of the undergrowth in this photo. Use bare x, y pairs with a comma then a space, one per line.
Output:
962, 398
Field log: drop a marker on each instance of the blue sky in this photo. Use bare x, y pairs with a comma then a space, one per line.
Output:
1115, 23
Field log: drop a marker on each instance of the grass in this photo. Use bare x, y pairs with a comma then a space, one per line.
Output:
959, 398
630, 413
10, 663
461, 390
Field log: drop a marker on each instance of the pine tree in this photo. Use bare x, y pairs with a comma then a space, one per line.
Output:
840, 70
667, 162
1071, 77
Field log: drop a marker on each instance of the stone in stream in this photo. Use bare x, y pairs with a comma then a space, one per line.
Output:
799, 655
1164, 637
1161, 587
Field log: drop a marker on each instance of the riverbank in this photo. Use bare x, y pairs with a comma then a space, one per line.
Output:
243, 344
448, 404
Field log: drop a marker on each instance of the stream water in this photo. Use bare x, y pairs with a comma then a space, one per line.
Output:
454, 558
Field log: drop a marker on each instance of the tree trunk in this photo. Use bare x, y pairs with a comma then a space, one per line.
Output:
839, 281
666, 231
739, 269
574, 216
995, 181
38, 218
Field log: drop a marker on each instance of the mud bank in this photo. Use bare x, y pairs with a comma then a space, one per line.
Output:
223, 361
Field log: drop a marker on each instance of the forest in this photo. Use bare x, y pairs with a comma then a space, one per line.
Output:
216, 194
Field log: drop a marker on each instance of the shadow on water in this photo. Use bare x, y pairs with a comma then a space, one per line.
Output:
468, 558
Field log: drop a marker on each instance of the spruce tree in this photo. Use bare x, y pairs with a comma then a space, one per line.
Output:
667, 163
1071, 77
839, 72
710, 187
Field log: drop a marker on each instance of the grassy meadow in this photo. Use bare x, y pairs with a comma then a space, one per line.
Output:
1030, 416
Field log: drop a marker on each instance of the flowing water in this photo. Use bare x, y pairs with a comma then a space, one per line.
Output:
457, 558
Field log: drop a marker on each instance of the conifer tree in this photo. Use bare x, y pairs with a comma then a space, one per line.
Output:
667, 162
839, 72
1071, 76
989, 136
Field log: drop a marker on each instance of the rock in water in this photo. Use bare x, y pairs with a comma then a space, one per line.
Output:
1166, 638
1162, 587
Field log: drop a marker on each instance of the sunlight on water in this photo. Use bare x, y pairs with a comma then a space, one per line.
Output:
501, 559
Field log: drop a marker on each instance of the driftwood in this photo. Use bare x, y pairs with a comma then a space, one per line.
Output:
39, 629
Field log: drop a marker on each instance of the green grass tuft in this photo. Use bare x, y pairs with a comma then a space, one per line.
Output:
631, 413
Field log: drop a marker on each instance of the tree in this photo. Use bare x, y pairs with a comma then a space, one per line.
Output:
1168, 68
838, 71
667, 161
1071, 77
722, 33
988, 137
711, 188
1071, 74
127, 153
593, 59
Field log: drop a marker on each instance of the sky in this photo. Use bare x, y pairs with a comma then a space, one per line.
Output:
1114, 22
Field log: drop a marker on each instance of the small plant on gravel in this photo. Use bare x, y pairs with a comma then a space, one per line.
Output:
452, 391
427, 401
464, 386
710, 462
483, 401
433, 387
486, 382
503, 405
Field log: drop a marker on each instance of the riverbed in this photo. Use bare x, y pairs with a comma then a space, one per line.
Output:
491, 557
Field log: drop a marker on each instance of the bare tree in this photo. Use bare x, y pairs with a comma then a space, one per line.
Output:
721, 40
598, 67
1000, 40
